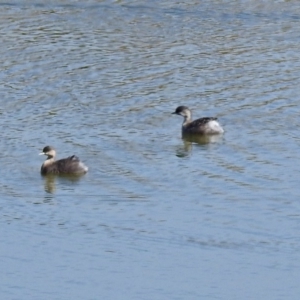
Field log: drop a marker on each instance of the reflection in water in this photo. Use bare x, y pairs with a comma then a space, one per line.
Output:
49, 184
201, 139
50, 181
190, 139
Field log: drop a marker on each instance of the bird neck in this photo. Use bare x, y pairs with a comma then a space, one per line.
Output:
187, 118
49, 161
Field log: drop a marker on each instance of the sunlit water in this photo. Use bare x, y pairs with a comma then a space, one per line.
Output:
156, 217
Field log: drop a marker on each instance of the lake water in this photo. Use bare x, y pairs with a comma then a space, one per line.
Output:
156, 217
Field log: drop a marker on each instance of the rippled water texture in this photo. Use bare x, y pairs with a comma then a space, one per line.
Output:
156, 217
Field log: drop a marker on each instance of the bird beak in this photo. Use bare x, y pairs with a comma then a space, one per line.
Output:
174, 113
42, 153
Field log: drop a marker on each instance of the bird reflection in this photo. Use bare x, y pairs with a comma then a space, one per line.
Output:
190, 139
50, 181
201, 139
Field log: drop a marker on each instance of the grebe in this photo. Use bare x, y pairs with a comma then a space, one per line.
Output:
199, 126
70, 165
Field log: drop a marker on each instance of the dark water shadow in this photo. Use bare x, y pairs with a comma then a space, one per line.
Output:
201, 139
51, 180
196, 139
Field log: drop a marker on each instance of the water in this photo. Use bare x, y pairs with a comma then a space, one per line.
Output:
156, 217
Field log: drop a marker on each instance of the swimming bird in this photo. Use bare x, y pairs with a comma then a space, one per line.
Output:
199, 126
70, 165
